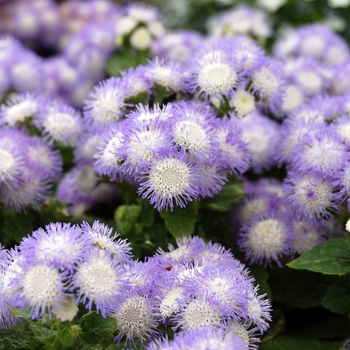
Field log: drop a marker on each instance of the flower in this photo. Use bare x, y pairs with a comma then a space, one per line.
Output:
169, 180
266, 237
136, 318
99, 280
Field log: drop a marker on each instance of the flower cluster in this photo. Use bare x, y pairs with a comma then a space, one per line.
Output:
196, 288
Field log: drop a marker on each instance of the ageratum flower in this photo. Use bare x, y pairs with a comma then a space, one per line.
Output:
105, 104
40, 287
98, 281
312, 196
267, 84
136, 318
102, 238
266, 237
60, 244
323, 152
168, 181
60, 122
111, 155
19, 108
206, 337
213, 74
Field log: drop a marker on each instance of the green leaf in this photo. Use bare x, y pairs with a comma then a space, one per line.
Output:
337, 298
126, 217
181, 221
332, 257
230, 195
299, 289
97, 331
286, 342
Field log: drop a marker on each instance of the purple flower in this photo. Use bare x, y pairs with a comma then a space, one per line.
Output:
102, 238
111, 154
206, 337
261, 134
322, 152
105, 103
169, 179
144, 143
19, 109
312, 196
136, 318
59, 244
167, 75
60, 122
234, 155
266, 237
176, 46
40, 286
267, 84
99, 281
212, 73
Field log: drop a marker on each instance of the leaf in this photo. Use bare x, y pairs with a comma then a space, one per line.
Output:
97, 331
299, 289
332, 257
337, 298
286, 342
181, 221
230, 195
126, 217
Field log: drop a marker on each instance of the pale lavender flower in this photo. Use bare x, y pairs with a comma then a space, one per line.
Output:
176, 46
206, 337
266, 237
105, 104
267, 84
234, 155
60, 122
136, 318
169, 75
323, 152
98, 281
169, 180
59, 244
103, 238
20, 108
261, 134
312, 196
111, 155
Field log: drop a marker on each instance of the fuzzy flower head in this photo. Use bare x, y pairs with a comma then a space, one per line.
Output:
206, 337
265, 238
41, 287
102, 237
136, 318
268, 84
105, 103
19, 108
59, 244
166, 74
99, 281
110, 156
169, 180
212, 73
60, 122
312, 196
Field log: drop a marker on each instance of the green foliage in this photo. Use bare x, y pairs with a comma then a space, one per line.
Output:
337, 298
332, 257
181, 221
